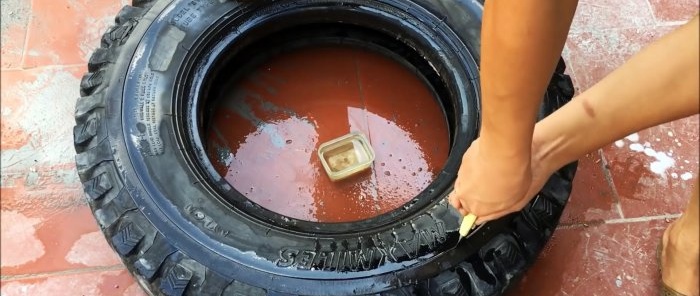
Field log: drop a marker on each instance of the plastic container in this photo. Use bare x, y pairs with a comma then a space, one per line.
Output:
346, 156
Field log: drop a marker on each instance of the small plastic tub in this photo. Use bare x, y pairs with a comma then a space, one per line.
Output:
346, 156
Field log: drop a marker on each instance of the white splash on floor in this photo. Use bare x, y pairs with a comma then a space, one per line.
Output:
636, 147
686, 176
663, 162
649, 152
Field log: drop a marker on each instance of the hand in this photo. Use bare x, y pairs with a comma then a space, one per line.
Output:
492, 186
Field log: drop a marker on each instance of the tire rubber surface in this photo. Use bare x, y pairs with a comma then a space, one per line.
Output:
177, 239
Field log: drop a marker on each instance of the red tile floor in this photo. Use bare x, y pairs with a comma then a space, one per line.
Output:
623, 197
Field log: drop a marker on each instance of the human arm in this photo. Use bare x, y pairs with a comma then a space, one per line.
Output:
657, 85
520, 45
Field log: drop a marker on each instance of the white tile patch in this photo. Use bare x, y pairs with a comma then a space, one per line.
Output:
91, 249
48, 108
620, 143
20, 245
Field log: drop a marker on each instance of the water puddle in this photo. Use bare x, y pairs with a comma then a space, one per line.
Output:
267, 128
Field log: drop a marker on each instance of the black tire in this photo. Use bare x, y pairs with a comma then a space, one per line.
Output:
181, 230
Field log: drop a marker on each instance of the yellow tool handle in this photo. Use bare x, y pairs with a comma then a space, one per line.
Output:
467, 224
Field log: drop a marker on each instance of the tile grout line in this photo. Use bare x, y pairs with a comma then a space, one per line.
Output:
617, 221
588, 30
643, 219
672, 23
605, 167
651, 11
61, 273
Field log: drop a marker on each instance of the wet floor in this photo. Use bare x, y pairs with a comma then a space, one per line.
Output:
267, 128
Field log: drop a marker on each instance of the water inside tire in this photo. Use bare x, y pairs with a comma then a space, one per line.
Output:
268, 126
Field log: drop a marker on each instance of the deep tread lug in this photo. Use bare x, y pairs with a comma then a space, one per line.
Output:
176, 280
149, 262
506, 255
446, 283
90, 82
127, 238
99, 58
540, 212
142, 3
89, 159
127, 13
530, 238
97, 187
118, 34
86, 105
483, 284
84, 132
111, 211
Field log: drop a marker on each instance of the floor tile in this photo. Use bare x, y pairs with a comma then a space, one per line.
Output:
655, 170
36, 191
596, 53
601, 15
38, 108
674, 10
608, 259
65, 32
101, 283
15, 17
592, 198
52, 241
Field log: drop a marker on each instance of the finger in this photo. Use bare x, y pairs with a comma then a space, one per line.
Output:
463, 211
457, 204
454, 201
